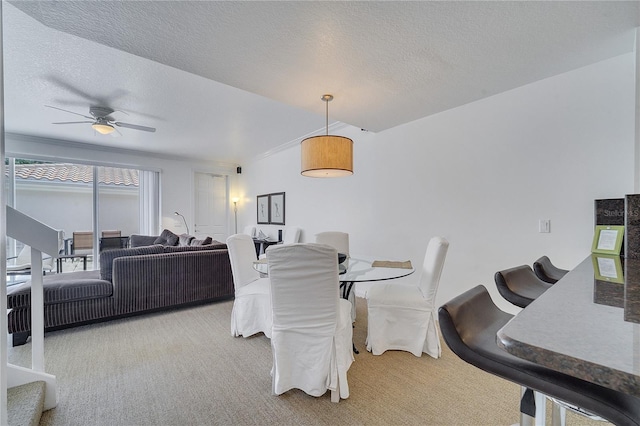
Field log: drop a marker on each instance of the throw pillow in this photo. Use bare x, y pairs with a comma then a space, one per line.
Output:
136, 240
185, 240
167, 238
204, 242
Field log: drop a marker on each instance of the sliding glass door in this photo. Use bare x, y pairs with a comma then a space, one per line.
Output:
97, 205
118, 206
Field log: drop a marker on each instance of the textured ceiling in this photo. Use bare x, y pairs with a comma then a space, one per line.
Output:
232, 80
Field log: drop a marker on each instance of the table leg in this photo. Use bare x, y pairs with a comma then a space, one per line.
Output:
346, 287
58, 265
84, 263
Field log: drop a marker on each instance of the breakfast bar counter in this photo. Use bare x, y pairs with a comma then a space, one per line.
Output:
587, 325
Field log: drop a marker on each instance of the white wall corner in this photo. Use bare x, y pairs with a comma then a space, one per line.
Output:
636, 180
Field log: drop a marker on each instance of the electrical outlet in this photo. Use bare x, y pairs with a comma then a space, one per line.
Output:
544, 226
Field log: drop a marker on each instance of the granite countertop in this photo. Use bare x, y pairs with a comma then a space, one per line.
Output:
585, 327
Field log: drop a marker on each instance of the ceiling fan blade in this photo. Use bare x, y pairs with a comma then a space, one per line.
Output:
68, 87
73, 122
134, 126
71, 112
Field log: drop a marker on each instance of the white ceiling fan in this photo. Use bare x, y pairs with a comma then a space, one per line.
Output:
101, 121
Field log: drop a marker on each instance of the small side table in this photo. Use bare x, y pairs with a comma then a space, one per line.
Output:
261, 245
71, 256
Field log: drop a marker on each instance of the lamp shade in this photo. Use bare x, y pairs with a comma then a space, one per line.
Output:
327, 156
102, 128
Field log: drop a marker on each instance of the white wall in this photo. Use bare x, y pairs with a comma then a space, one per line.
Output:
73, 206
481, 175
176, 175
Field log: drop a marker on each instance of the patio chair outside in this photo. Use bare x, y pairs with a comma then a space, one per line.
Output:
82, 241
111, 243
111, 234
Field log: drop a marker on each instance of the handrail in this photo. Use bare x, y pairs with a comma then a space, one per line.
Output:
41, 238
32, 232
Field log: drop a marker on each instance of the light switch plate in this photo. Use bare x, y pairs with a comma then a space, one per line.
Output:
544, 226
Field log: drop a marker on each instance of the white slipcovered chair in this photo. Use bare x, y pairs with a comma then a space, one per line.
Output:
340, 242
291, 235
312, 332
403, 317
249, 230
21, 264
251, 311
335, 239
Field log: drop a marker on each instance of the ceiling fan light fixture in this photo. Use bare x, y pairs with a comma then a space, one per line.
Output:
102, 128
328, 155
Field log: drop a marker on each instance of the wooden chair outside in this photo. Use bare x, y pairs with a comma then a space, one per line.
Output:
82, 240
110, 243
111, 234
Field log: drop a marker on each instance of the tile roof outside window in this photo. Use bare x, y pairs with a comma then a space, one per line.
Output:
64, 172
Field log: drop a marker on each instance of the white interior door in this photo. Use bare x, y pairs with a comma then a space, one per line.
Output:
210, 206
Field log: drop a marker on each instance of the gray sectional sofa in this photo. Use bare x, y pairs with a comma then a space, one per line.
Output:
131, 281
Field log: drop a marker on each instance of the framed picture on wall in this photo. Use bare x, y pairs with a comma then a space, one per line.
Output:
263, 209
276, 205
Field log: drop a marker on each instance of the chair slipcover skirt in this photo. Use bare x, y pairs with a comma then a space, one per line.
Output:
401, 319
305, 361
312, 333
251, 312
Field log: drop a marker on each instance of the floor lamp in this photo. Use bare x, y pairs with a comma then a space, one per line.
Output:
185, 220
235, 214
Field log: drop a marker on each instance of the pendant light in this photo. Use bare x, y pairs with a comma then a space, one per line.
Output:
327, 156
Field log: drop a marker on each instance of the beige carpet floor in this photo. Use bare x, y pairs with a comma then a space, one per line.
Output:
184, 368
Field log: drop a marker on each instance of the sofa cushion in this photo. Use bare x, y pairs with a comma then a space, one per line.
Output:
167, 238
106, 257
177, 249
204, 242
218, 244
141, 240
185, 240
62, 288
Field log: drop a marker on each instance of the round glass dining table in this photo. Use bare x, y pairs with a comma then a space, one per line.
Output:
357, 269
353, 270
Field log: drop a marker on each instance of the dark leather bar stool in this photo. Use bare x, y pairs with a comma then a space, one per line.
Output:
469, 324
547, 271
520, 285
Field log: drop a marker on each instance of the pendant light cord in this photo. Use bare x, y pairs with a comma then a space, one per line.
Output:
327, 98
326, 101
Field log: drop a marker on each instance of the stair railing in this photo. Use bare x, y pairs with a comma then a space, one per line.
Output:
42, 239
